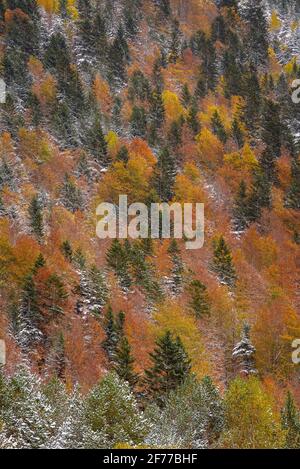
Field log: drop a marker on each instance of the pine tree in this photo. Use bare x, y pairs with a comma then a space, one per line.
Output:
192, 117
95, 142
124, 363
260, 195
36, 217
119, 56
290, 420
111, 408
218, 127
237, 133
272, 127
71, 195
138, 122
114, 330
292, 199
117, 259
164, 175
257, 40
243, 354
175, 41
241, 209
67, 250
186, 95
123, 154
199, 301
222, 263
177, 268
170, 367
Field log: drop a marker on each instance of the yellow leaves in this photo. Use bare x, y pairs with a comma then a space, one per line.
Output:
172, 317
290, 66
243, 159
275, 22
34, 146
50, 6
72, 10
188, 186
210, 149
294, 25
113, 143
172, 105
132, 179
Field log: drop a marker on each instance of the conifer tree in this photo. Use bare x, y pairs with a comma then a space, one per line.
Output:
170, 367
95, 142
243, 354
123, 363
292, 199
218, 127
71, 195
36, 217
67, 250
237, 133
290, 420
177, 268
117, 259
164, 175
199, 301
123, 154
254, 13
241, 209
119, 55
222, 263
138, 122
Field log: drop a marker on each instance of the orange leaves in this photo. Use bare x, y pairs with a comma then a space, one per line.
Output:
102, 94
34, 145
50, 6
44, 86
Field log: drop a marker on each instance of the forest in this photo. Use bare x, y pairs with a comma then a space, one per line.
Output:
142, 343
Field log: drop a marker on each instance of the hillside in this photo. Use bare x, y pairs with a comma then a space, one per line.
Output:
163, 101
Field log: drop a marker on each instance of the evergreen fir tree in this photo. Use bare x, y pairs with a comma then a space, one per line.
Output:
292, 199
177, 268
119, 55
164, 175
117, 259
67, 250
243, 354
192, 118
222, 263
170, 367
218, 127
199, 301
71, 195
36, 217
123, 155
237, 133
241, 209
290, 419
95, 142
124, 363
186, 95
254, 13
138, 122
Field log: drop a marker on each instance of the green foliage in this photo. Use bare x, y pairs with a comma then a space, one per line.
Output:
35, 212
222, 263
290, 420
199, 301
170, 367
